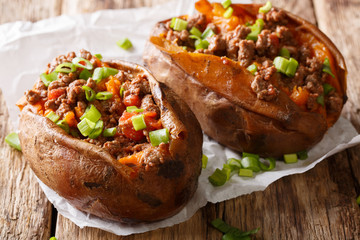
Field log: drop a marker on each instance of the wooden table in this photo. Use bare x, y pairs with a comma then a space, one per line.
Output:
319, 204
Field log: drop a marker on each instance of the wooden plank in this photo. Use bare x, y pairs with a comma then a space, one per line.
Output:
25, 213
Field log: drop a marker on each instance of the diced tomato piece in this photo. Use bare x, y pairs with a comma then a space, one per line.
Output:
55, 93
132, 100
151, 123
127, 127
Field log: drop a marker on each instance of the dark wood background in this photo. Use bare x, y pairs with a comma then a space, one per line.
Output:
319, 204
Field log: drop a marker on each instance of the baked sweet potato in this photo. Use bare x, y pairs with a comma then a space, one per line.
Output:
117, 172
228, 68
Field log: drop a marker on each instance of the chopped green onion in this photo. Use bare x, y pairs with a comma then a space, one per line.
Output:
103, 72
92, 114
103, 95
218, 178
179, 24
122, 90
327, 88
207, 33
124, 43
48, 78
320, 100
138, 122
109, 132
201, 44
221, 225
252, 68
256, 29
251, 163
228, 13
86, 126
159, 136
253, 155
284, 52
52, 116
234, 163
196, 32
204, 161
63, 124
53, 238
291, 69
281, 64
290, 158
184, 47
109, 72
232, 233
134, 109
88, 65
195, 37
358, 200
272, 164
65, 67
172, 23
244, 172
266, 8
89, 93
13, 140
302, 155
226, 3
98, 56
97, 129
85, 74
227, 170
327, 68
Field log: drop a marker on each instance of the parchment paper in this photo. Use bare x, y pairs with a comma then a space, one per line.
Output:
26, 48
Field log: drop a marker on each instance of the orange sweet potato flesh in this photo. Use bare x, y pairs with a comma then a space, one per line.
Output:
218, 90
94, 182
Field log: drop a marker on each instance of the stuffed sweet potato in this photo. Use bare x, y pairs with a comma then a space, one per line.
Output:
259, 79
110, 139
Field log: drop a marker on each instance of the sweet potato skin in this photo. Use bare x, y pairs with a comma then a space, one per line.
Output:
227, 109
94, 182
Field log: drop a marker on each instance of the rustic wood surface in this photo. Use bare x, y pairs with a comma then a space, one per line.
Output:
318, 204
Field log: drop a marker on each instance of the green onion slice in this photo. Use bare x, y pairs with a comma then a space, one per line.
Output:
291, 69
103, 72
253, 155
201, 44
13, 140
48, 78
138, 122
97, 129
251, 163
124, 43
86, 126
284, 52
159, 136
221, 225
89, 93
228, 13
256, 29
65, 67
63, 124
302, 155
85, 74
271, 166
244, 172
227, 171
327, 67
204, 161
252, 68
218, 178
195, 37
234, 163
207, 33
92, 114
122, 90
266, 8
109, 132
285, 66
290, 158
134, 109
320, 100
327, 88
179, 24
226, 3
195, 31
52, 116
88, 65
103, 95
98, 56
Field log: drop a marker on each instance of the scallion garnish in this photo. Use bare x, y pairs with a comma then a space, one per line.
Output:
234, 163
291, 69
98, 56
302, 155
218, 178
228, 13
272, 164
284, 52
256, 29
63, 124
109, 132
178, 24
48, 78
204, 161
226, 3
52, 116
124, 43
86, 126
207, 33
13, 140
92, 114
103, 95
250, 163
103, 72
290, 158
138, 122
327, 88
266, 8
65, 67
134, 109
285, 66
232, 233
252, 155
201, 44
159, 136
320, 100
327, 68
89, 93
244, 172
196, 32
85, 74
252, 68
97, 129
87, 64
122, 90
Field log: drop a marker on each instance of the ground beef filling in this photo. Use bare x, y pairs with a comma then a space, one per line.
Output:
274, 36
66, 95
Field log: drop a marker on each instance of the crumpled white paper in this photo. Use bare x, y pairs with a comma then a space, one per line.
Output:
26, 48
